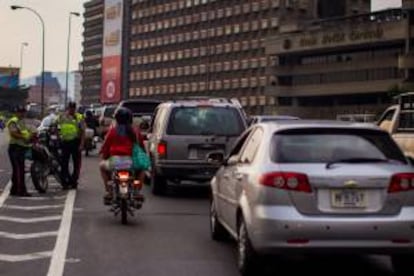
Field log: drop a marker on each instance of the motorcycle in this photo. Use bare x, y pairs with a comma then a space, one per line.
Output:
126, 190
91, 140
46, 159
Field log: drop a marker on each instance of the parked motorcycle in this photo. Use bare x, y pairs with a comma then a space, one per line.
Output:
46, 159
126, 189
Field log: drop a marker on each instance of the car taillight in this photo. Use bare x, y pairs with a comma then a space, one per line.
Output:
123, 175
401, 182
162, 149
287, 181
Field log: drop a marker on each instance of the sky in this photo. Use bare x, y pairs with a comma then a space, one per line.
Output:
19, 26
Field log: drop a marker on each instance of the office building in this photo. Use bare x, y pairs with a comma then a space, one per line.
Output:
92, 51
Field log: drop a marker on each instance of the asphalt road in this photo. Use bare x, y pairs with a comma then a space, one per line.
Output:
72, 234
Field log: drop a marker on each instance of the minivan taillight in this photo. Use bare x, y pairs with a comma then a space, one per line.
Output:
401, 182
162, 149
287, 181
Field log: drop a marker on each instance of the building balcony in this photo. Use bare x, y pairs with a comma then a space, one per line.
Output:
329, 89
385, 62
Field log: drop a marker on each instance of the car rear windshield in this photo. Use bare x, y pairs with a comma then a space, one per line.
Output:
210, 120
327, 145
141, 107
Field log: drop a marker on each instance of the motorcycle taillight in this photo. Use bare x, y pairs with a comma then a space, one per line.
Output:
123, 175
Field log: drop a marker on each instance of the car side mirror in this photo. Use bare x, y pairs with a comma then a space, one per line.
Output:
216, 157
411, 160
233, 160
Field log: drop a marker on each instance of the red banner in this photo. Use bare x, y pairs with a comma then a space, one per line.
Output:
111, 79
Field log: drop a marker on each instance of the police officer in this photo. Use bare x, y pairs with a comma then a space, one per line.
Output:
19, 144
72, 134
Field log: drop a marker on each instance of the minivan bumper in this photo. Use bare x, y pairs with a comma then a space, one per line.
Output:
194, 170
283, 229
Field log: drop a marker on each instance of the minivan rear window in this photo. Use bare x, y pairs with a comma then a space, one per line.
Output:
141, 107
208, 120
326, 145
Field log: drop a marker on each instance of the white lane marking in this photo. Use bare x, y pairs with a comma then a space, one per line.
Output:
5, 194
30, 220
25, 257
43, 198
73, 260
32, 208
14, 236
57, 264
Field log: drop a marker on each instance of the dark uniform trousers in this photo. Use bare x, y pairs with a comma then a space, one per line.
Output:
17, 156
71, 149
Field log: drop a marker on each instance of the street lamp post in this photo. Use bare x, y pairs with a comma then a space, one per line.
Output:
21, 54
68, 55
42, 85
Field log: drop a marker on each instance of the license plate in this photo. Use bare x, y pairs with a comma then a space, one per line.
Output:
193, 154
348, 198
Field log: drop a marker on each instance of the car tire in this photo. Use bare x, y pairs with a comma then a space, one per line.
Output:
158, 184
402, 264
247, 258
217, 230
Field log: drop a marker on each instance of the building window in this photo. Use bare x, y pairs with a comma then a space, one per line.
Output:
220, 13
235, 83
229, 11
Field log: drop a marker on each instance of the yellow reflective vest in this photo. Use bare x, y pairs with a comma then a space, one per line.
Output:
70, 127
24, 142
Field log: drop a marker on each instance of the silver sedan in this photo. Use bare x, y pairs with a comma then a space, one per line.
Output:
306, 186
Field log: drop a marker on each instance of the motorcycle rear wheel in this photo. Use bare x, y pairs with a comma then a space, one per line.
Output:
124, 211
39, 176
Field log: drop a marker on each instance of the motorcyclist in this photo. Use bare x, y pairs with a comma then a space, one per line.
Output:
91, 122
49, 119
119, 142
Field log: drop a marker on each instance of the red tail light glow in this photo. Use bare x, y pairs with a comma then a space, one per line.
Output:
297, 241
162, 149
137, 184
291, 181
401, 182
401, 241
123, 175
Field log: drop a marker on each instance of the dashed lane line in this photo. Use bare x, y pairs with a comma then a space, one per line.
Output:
35, 198
15, 236
25, 257
30, 220
32, 208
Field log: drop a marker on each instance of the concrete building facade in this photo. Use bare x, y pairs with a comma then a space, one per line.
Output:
343, 65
